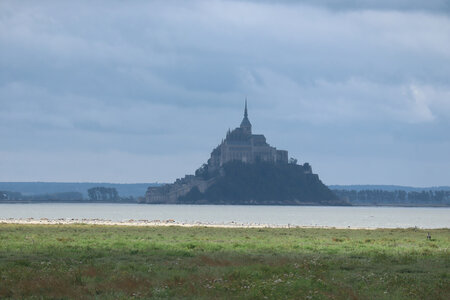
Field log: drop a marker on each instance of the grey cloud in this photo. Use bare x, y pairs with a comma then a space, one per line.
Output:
435, 6
367, 79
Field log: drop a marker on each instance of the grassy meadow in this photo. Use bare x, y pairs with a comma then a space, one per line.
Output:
122, 262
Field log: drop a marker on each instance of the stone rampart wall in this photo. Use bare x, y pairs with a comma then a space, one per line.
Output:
170, 193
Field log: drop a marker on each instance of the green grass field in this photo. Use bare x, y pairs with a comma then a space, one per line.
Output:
103, 262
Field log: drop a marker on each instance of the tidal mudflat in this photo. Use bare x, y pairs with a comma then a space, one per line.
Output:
103, 262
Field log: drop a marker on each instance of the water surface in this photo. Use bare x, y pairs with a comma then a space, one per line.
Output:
331, 216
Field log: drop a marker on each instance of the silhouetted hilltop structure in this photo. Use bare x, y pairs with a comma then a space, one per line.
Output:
245, 169
241, 145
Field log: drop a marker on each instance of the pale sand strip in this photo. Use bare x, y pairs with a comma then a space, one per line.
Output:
170, 222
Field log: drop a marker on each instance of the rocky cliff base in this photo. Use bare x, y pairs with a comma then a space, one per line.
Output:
257, 184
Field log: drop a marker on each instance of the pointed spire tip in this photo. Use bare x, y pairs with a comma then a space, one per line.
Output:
245, 110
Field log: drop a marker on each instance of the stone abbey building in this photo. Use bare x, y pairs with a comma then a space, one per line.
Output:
241, 144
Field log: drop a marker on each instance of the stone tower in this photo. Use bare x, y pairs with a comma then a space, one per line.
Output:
245, 124
242, 145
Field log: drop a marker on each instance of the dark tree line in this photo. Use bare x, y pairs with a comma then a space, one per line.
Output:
7, 196
399, 197
95, 194
103, 194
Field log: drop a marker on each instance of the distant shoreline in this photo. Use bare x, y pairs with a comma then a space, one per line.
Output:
306, 204
171, 222
148, 223
354, 195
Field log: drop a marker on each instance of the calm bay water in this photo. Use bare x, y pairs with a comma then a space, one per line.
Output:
371, 217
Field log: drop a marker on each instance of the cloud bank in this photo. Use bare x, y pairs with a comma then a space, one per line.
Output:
142, 91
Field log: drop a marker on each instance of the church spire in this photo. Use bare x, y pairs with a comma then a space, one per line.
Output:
245, 111
245, 124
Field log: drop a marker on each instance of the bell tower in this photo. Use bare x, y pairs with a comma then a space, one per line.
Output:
245, 124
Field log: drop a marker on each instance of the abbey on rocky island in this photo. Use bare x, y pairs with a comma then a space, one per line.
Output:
239, 145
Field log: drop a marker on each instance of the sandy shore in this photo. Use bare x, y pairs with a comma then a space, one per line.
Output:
170, 222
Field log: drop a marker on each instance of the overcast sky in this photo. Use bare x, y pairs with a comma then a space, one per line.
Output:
142, 91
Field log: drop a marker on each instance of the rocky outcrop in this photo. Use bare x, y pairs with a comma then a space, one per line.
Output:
248, 184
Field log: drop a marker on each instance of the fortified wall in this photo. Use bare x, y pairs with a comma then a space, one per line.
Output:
169, 193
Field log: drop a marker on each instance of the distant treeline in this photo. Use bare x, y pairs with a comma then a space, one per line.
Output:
47, 188
398, 197
96, 194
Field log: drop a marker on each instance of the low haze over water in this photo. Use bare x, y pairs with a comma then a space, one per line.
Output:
370, 217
